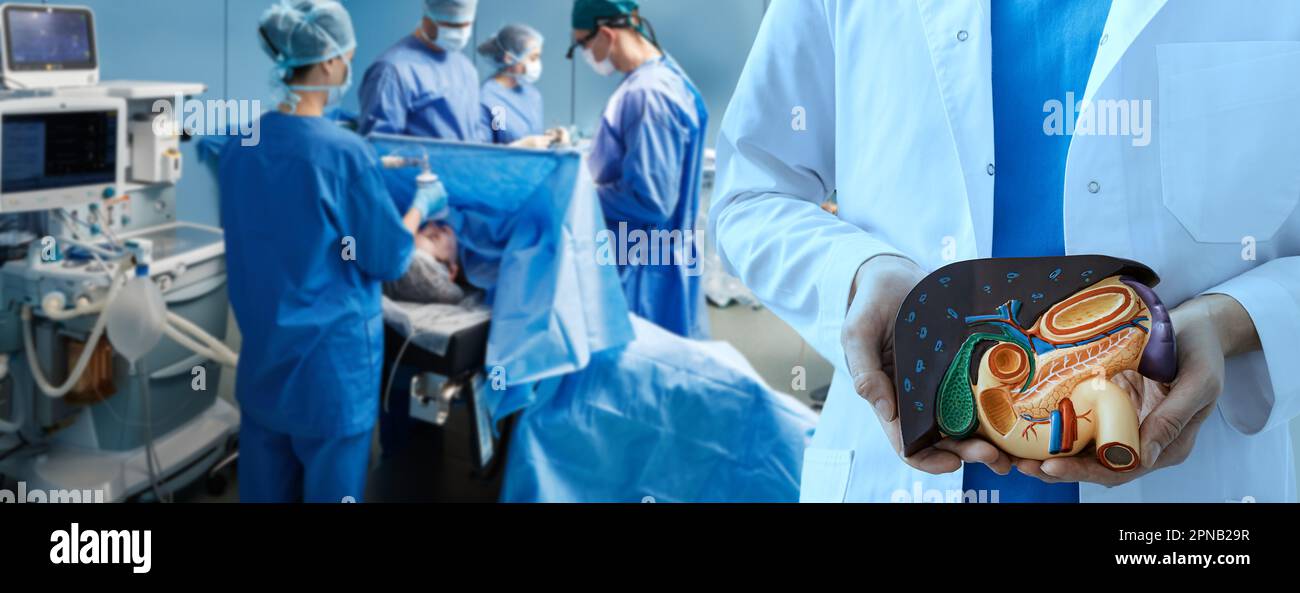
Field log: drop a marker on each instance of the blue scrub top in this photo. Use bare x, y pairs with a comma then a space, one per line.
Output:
307, 306
413, 90
1041, 51
646, 162
521, 112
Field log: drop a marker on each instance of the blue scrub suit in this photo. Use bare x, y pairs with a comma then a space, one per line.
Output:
1041, 51
413, 90
646, 162
521, 111
311, 235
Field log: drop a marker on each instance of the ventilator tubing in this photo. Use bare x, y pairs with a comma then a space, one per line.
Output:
179, 329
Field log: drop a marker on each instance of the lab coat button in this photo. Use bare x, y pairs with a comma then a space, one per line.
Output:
962, 36
991, 169
1094, 187
1104, 38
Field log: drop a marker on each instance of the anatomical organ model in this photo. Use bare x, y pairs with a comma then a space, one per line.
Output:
1031, 373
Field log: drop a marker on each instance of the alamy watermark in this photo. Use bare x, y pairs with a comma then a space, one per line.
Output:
240, 118
1104, 117
655, 247
130, 548
918, 493
39, 496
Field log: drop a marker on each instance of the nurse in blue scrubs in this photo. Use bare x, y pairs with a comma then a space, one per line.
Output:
312, 233
425, 85
512, 105
646, 161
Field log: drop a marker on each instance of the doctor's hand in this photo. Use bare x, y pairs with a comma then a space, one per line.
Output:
878, 291
1208, 330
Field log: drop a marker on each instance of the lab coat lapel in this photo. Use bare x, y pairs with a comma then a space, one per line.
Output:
1126, 21
961, 49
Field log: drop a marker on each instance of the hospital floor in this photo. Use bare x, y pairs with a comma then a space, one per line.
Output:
435, 464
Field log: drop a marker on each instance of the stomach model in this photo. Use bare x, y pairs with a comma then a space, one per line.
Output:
1038, 389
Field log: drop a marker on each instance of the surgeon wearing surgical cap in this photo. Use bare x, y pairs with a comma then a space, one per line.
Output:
512, 105
425, 85
312, 233
646, 161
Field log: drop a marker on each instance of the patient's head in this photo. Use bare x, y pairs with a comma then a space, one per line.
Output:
439, 240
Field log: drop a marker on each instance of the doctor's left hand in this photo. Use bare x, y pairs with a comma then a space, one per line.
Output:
1208, 329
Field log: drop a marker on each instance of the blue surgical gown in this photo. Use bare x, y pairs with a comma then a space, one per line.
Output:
413, 90
310, 235
512, 113
646, 162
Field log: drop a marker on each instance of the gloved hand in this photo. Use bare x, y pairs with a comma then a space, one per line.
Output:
430, 198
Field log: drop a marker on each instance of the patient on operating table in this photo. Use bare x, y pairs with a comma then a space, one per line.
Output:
431, 278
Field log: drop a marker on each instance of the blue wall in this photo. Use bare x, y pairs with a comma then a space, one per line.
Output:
214, 42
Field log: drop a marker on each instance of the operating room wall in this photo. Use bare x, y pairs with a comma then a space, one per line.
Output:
214, 42
168, 40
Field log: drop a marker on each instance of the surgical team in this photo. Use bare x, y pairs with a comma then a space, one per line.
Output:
309, 316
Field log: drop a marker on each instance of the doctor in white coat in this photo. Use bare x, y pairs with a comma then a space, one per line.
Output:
889, 104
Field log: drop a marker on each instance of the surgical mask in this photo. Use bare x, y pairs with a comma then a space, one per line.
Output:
336, 92
453, 39
603, 68
532, 72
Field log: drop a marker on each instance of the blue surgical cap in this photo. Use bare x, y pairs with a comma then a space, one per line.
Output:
450, 11
303, 32
516, 41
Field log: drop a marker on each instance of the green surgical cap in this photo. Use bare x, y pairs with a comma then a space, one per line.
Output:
586, 12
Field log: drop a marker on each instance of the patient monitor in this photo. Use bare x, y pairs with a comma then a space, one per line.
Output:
48, 46
60, 152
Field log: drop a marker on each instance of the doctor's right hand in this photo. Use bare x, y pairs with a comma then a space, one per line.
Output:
881, 285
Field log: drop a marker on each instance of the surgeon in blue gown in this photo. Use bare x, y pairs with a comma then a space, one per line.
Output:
512, 106
312, 233
646, 163
425, 85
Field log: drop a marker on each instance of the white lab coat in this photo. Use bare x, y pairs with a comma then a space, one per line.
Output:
889, 103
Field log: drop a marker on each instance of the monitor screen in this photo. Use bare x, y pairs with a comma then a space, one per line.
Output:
57, 150
49, 39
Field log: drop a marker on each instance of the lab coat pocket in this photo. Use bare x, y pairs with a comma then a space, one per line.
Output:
826, 474
1230, 136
